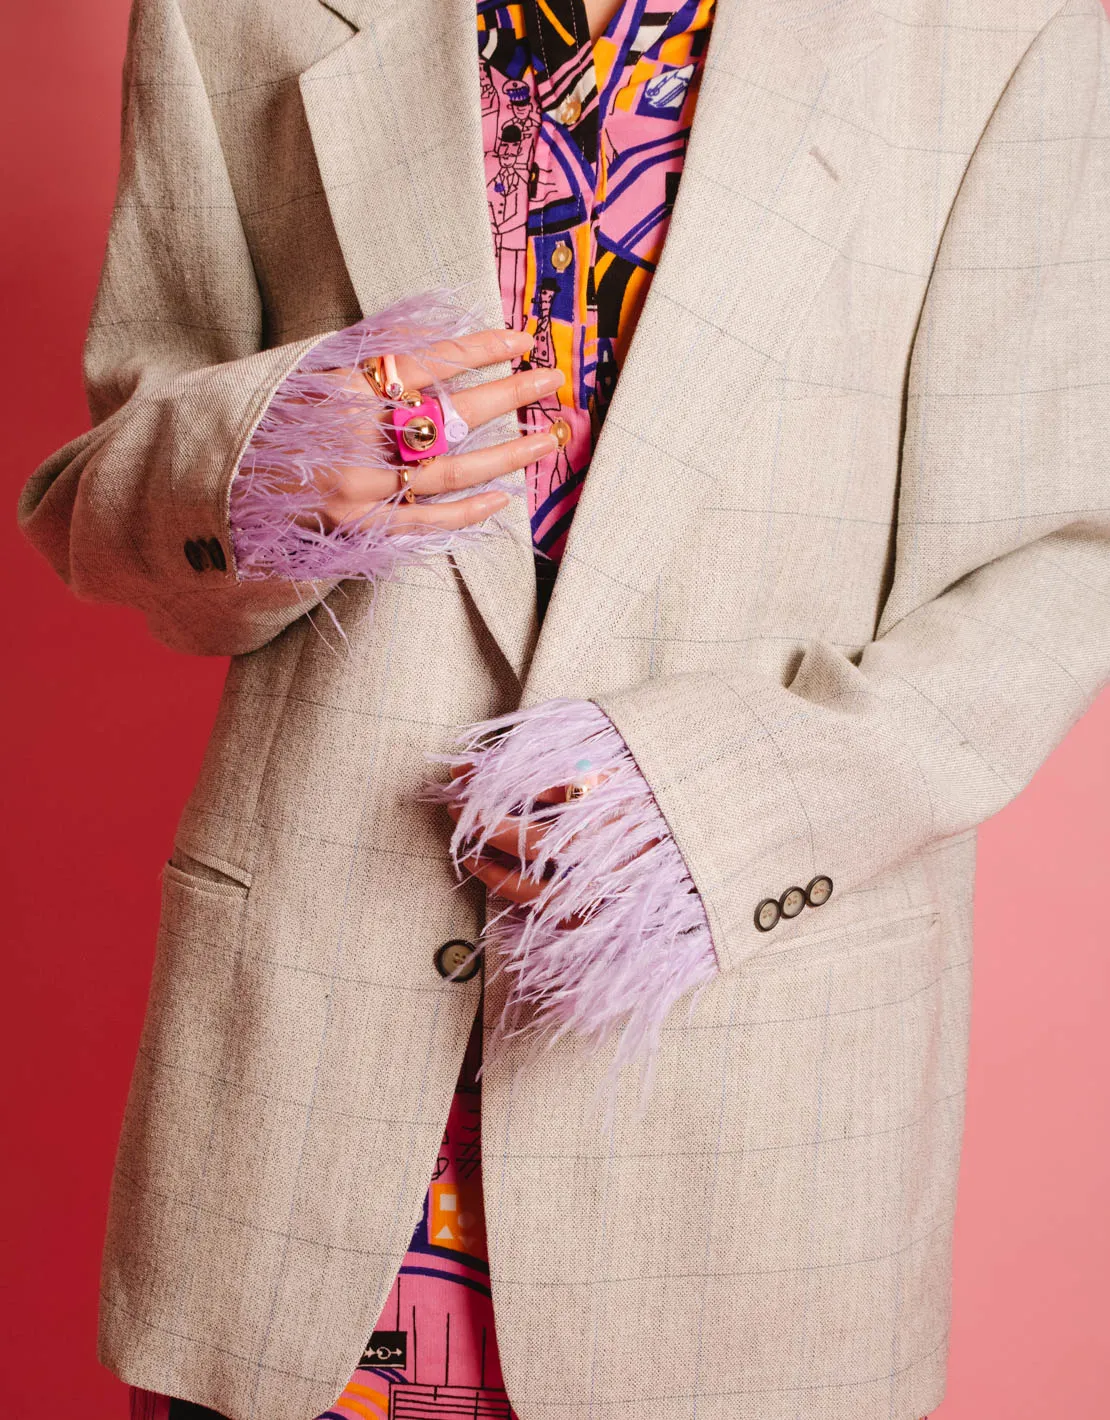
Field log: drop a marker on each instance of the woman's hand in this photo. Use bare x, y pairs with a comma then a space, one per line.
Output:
502, 847
494, 867
355, 496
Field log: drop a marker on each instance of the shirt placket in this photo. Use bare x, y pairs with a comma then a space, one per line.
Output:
563, 66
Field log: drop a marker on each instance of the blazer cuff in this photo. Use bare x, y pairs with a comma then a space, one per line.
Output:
313, 428
619, 932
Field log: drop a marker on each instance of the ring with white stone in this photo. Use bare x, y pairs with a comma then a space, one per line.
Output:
455, 427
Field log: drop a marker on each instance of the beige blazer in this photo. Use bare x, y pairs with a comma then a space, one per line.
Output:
840, 576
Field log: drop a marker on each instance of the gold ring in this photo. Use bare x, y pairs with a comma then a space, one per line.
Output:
406, 485
380, 372
394, 389
372, 372
576, 790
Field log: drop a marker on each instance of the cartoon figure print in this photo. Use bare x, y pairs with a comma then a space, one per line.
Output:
509, 111
507, 193
542, 413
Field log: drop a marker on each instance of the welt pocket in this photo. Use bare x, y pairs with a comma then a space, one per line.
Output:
845, 940
196, 868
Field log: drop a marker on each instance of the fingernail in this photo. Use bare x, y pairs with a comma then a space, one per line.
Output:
547, 380
518, 340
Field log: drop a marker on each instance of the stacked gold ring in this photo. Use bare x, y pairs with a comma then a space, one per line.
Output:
380, 373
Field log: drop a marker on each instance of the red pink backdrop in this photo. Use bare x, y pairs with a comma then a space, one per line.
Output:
104, 731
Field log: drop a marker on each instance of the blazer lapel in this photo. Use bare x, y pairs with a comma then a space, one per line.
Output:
780, 157
396, 125
779, 160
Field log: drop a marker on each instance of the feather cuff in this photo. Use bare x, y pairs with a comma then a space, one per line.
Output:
640, 938
313, 428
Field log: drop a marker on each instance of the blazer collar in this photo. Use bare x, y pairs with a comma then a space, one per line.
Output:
395, 118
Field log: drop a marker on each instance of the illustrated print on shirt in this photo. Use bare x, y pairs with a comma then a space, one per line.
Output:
543, 413
584, 143
507, 194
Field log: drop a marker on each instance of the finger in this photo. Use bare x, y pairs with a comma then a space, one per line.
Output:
482, 402
444, 358
506, 836
503, 881
356, 490
506, 839
558, 794
448, 517
398, 518
447, 473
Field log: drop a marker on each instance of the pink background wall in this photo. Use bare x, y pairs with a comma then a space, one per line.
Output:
107, 730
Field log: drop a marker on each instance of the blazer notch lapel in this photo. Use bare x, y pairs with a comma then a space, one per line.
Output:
355, 12
396, 124
779, 161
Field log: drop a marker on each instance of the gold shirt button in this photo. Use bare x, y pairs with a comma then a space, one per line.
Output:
570, 110
561, 256
561, 429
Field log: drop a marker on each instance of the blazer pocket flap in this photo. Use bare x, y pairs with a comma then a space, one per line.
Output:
195, 861
845, 939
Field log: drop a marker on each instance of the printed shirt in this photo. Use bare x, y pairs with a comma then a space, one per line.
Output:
584, 144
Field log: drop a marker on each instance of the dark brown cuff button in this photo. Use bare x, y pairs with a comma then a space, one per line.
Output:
819, 890
216, 553
792, 901
197, 555
767, 914
453, 954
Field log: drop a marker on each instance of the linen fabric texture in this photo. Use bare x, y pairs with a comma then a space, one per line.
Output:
839, 617
433, 1352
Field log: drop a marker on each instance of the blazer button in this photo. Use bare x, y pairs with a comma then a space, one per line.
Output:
197, 555
792, 901
216, 553
819, 890
453, 954
767, 914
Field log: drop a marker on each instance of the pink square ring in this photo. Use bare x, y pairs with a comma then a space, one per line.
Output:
429, 428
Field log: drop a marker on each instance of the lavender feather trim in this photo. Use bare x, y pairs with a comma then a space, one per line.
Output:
313, 428
640, 940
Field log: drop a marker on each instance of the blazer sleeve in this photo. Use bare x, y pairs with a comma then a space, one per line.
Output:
995, 635
135, 510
